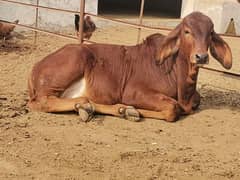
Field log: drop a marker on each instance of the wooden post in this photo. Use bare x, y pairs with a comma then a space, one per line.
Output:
140, 20
36, 22
82, 12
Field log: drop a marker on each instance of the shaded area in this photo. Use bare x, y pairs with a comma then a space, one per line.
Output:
212, 97
171, 8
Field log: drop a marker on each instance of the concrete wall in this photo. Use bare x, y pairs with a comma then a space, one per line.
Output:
231, 10
47, 18
220, 11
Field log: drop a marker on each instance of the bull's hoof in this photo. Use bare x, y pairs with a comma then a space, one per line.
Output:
130, 113
85, 111
84, 116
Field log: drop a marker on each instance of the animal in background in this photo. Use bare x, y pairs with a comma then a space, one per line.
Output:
88, 26
6, 29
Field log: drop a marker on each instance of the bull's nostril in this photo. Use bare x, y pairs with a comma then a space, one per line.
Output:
201, 57
204, 56
198, 57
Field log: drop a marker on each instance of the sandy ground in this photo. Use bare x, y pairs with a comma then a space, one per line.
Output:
36, 145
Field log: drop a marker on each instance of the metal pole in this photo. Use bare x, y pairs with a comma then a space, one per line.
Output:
81, 23
36, 22
140, 20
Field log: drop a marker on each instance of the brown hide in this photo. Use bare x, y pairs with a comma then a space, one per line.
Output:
131, 75
6, 28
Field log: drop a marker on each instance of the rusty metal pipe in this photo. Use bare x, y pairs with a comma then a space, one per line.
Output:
140, 20
81, 23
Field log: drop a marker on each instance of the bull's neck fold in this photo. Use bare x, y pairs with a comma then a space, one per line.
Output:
187, 74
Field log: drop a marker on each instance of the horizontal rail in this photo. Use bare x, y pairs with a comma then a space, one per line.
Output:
47, 32
128, 23
41, 30
41, 7
220, 71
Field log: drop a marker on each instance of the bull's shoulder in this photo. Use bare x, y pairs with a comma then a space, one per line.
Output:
155, 35
154, 39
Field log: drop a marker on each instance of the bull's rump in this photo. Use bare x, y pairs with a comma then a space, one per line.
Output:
75, 70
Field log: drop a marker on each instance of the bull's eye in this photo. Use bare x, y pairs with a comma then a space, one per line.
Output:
211, 33
187, 32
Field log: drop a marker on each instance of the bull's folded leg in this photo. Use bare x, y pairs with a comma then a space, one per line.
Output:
84, 107
170, 115
156, 106
120, 110
55, 104
168, 112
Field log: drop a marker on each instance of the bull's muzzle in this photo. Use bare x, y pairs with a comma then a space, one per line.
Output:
202, 58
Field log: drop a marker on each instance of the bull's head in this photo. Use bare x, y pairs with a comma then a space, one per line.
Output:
192, 38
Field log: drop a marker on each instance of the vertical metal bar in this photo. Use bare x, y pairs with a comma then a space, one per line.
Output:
36, 22
82, 12
140, 20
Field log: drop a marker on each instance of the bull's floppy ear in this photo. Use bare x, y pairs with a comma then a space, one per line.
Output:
170, 45
220, 50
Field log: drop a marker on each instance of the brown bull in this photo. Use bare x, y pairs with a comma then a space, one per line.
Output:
157, 77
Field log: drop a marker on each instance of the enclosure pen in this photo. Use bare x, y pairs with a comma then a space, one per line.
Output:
82, 13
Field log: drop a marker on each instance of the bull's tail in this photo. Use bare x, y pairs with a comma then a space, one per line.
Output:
77, 19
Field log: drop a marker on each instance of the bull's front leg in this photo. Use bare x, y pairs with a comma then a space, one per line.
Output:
156, 106
119, 110
168, 110
56, 104
83, 106
188, 106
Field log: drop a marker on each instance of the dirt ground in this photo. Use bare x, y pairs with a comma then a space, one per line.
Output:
33, 145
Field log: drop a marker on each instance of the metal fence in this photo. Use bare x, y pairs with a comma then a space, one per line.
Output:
82, 13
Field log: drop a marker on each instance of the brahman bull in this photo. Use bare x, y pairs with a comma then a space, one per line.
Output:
155, 79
